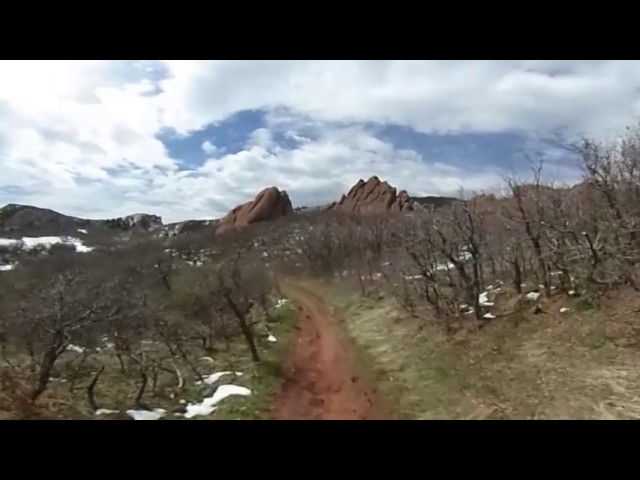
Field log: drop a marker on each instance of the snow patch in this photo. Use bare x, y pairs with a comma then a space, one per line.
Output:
483, 300
10, 242
82, 230
30, 243
489, 316
207, 359
271, 338
572, 293
6, 268
155, 414
105, 411
208, 405
443, 267
199, 409
281, 303
75, 348
533, 295
214, 377
564, 309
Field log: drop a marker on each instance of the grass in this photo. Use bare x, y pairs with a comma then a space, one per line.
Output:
263, 378
116, 391
551, 366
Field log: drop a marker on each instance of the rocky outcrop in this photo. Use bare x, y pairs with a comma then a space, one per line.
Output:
374, 197
188, 226
270, 204
144, 221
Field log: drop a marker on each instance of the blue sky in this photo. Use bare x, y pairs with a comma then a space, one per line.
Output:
503, 151
191, 139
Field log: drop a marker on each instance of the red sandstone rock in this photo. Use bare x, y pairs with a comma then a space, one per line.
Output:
269, 204
373, 197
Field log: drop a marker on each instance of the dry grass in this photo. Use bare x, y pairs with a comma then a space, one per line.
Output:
577, 365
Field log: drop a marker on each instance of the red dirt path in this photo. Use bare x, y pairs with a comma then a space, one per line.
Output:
321, 379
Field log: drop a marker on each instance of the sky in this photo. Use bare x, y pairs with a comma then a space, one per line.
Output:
189, 139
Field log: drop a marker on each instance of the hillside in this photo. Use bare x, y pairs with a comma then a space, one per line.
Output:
434, 201
27, 231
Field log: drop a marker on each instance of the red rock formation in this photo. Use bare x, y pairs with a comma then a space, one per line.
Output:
269, 204
373, 196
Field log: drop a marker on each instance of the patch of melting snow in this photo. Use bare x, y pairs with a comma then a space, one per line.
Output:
75, 348
6, 268
470, 311
214, 377
271, 338
533, 295
483, 300
571, 293
155, 414
30, 243
443, 267
82, 230
489, 316
564, 309
207, 359
281, 303
10, 242
105, 411
413, 277
208, 405
199, 409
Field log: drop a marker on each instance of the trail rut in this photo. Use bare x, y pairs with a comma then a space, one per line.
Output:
321, 378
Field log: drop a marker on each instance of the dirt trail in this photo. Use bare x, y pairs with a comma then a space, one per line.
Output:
321, 379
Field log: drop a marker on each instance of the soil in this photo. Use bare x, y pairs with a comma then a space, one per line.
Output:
321, 378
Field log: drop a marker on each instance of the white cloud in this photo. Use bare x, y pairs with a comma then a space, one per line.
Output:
590, 96
80, 136
209, 148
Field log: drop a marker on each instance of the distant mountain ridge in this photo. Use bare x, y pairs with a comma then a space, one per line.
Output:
18, 221
371, 196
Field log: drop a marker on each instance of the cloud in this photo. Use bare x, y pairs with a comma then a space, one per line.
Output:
209, 148
94, 137
591, 96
